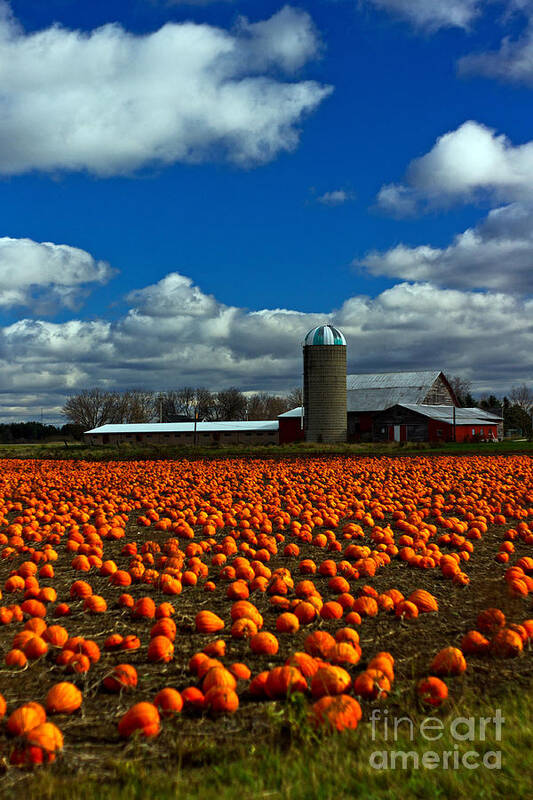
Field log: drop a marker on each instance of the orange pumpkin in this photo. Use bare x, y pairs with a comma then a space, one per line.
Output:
287, 623
144, 608
124, 676
432, 691
282, 681
319, 643
160, 649
372, 684
220, 700
218, 676
264, 643
142, 717
490, 620
24, 719
207, 622
63, 698
449, 661
506, 643
330, 680
423, 600
338, 713
168, 701
474, 643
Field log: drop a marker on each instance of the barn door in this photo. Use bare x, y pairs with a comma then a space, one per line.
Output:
396, 433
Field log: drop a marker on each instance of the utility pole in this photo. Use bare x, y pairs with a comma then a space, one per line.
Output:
454, 430
302, 414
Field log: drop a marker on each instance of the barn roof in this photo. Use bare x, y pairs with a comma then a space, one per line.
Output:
379, 390
463, 416
188, 427
294, 412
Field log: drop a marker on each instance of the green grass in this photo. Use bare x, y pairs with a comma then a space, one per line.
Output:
292, 762
129, 452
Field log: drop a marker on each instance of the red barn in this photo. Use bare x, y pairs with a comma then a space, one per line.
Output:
370, 393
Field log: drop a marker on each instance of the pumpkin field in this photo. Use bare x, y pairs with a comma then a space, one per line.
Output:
146, 604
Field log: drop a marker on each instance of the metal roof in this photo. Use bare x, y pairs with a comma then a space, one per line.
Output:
390, 380
324, 334
379, 390
188, 427
463, 416
294, 412
488, 414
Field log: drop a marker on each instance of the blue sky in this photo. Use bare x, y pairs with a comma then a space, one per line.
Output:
188, 187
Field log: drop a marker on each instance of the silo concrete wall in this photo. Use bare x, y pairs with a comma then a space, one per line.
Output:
325, 417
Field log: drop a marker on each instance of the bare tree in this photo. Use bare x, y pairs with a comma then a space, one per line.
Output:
174, 405
266, 406
295, 398
167, 406
187, 401
91, 408
94, 407
206, 404
462, 389
522, 396
230, 404
139, 406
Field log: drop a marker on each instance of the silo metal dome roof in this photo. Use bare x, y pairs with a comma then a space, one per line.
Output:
324, 334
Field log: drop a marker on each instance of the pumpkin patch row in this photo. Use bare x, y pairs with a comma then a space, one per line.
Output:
197, 588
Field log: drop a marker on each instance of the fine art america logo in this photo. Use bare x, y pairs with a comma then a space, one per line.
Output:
461, 730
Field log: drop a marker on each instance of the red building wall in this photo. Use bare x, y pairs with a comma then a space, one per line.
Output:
365, 422
463, 433
290, 430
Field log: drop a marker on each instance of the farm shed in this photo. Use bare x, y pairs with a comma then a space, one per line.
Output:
417, 422
239, 432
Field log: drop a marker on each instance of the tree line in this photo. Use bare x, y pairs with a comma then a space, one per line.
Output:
94, 407
21, 432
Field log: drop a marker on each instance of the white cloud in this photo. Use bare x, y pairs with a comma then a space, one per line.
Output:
336, 197
497, 254
464, 165
287, 40
397, 200
112, 102
174, 334
431, 15
513, 62
44, 276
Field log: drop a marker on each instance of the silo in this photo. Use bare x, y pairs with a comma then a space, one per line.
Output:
325, 417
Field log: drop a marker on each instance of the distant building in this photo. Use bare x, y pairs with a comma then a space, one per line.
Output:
261, 432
